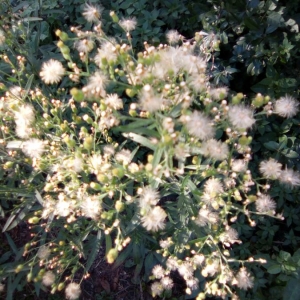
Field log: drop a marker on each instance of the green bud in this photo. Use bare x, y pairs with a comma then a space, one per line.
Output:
119, 206
201, 296
167, 139
102, 178
118, 172
58, 32
214, 227
114, 16
237, 195
132, 113
19, 268
252, 198
103, 106
110, 214
84, 130
65, 49
104, 215
244, 141
29, 277
235, 100
33, 220
112, 255
130, 92
267, 99
258, 101
88, 143
60, 44
8, 165
150, 158
195, 160
41, 272
95, 186
66, 56
61, 286
63, 36
240, 96
70, 142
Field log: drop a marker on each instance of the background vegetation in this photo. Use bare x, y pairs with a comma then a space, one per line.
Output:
251, 47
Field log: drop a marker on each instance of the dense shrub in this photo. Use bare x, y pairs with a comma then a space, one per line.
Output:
105, 138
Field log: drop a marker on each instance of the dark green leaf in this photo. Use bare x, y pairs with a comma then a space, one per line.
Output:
123, 256
95, 244
292, 290
271, 145
274, 269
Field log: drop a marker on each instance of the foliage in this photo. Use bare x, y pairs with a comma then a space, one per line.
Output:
107, 148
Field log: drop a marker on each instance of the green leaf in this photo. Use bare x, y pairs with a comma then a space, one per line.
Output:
292, 290
274, 269
16, 218
141, 140
137, 272
274, 21
250, 23
11, 286
11, 243
264, 86
125, 4
271, 72
287, 83
157, 157
39, 197
150, 261
271, 5
253, 3
271, 145
108, 243
123, 256
5, 257
284, 255
130, 10
290, 153
28, 84
95, 244
32, 19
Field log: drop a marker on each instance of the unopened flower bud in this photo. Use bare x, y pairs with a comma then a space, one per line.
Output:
112, 255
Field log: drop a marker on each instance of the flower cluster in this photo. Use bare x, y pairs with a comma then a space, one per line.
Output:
142, 149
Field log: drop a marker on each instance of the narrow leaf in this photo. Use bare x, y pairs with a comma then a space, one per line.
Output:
108, 243
141, 140
95, 246
11, 243
15, 219
121, 258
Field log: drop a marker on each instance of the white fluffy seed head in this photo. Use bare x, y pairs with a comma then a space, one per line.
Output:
128, 24
244, 281
200, 126
215, 149
240, 116
270, 169
264, 204
290, 178
286, 107
73, 291
52, 71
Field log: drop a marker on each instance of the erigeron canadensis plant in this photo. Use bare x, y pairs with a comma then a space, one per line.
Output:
121, 133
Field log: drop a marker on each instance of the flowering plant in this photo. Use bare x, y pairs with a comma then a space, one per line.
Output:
142, 151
